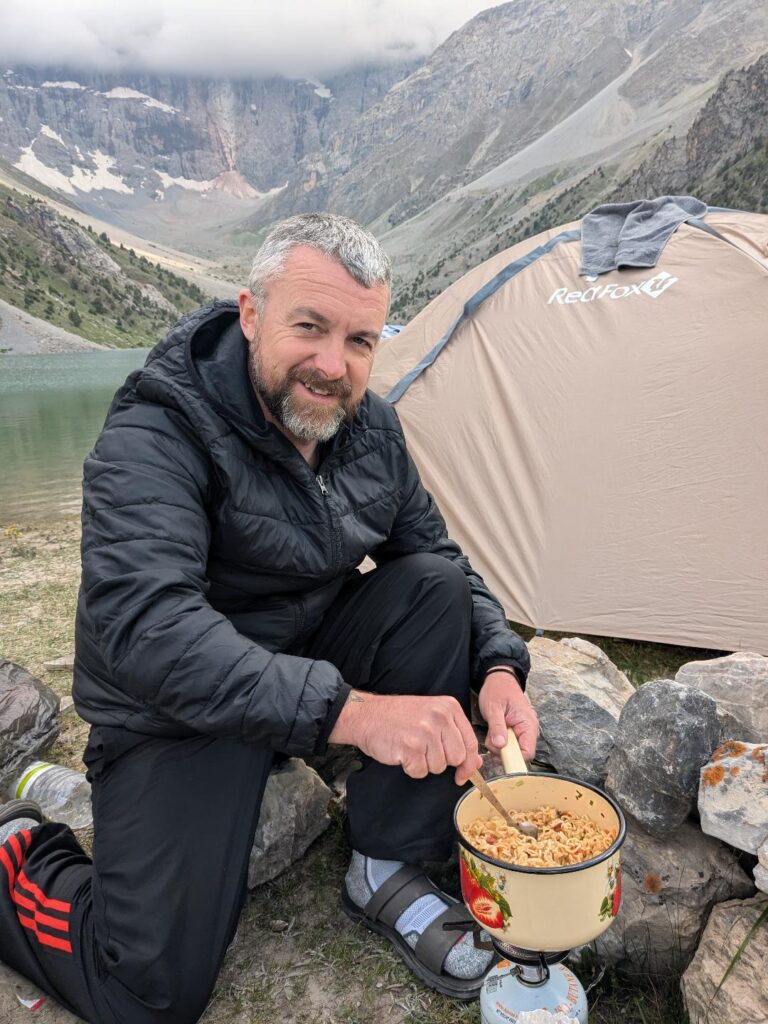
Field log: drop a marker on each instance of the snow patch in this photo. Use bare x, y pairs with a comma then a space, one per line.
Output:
81, 179
122, 93
627, 52
62, 85
188, 183
51, 134
320, 90
8, 73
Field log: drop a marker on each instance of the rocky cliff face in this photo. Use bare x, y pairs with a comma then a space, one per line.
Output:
507, 78
128, 138
730, 124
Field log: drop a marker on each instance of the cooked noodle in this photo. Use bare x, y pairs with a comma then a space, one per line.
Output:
564, 838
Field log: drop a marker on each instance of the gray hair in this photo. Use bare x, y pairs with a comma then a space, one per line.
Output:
343, 240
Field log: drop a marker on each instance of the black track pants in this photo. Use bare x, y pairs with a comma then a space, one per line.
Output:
138, 936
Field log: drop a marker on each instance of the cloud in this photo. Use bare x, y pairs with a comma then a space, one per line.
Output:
230, 38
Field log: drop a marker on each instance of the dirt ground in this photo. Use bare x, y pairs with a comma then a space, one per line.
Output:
296, 957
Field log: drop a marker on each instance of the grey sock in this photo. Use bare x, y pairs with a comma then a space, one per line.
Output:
15, 825
364, 877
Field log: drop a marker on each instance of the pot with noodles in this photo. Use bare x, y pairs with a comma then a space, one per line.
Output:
555, 889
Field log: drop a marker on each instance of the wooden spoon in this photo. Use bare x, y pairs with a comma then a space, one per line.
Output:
513, 761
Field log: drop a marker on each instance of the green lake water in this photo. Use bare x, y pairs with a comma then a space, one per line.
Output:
52, 408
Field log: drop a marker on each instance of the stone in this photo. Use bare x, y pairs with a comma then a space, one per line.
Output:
293, 814
28, 721
741, 997
577, 735
733, 795
738, 684
574, 665
668, 888
65, 664
761, 868
578, 694
666, 733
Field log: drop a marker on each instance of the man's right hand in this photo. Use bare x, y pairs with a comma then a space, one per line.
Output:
421, 734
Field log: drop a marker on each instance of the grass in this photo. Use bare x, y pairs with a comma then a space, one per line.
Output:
39, 273
296, 956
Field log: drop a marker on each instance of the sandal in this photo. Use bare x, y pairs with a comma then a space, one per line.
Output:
438, 939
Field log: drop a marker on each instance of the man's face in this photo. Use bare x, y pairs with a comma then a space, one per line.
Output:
311, 348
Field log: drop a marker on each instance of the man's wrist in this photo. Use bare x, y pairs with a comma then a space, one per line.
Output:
510, 670
348, 728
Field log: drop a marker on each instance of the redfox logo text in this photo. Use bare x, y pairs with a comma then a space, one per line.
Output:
653, 288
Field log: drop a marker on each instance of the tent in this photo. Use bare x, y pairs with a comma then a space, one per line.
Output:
599, 446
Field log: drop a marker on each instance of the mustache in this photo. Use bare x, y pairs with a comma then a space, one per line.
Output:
338, 388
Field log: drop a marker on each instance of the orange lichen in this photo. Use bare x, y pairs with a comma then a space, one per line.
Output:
714, 775
735, 769
759, 754
731, 748
652, 883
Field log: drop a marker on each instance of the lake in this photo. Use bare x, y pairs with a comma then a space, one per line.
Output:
52, 408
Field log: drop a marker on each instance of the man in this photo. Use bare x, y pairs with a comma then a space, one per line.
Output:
240, 478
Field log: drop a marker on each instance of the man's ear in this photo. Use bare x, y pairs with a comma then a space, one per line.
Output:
249, 315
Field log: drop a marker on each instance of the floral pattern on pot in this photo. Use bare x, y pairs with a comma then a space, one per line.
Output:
483, 894
609, 908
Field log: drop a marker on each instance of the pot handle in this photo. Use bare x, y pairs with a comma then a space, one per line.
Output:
511, 755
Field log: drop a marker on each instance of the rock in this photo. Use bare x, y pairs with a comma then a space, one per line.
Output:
578, 694
668, 888
738, 684
574, 665
742, 997
666, 732
28, 720
60, 664
294, 813
577, 734
733, 795
761, 868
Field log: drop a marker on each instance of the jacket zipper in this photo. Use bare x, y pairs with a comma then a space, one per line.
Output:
321, 483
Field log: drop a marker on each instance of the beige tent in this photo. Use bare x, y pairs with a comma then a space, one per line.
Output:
599, 447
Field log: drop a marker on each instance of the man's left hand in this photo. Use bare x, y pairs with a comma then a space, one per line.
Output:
502, 704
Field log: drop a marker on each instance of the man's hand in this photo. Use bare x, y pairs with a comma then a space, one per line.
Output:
502, 703
421, 734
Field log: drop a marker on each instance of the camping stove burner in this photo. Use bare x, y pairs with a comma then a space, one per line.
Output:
525, 979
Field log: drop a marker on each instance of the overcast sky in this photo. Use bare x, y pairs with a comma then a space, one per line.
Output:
226, 37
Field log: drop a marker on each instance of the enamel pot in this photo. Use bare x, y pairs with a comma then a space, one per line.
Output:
541, 909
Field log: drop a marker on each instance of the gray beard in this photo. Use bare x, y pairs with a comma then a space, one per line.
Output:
305, 424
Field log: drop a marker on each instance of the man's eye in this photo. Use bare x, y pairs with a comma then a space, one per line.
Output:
307, 327
362, 342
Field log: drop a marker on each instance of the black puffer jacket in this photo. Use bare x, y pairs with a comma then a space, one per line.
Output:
210, 551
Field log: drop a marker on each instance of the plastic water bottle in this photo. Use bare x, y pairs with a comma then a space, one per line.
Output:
64, 795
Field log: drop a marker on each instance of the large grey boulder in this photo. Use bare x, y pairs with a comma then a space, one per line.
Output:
738, 684
761, 868
733, 795
666, 732
578, 695
294, 813
742, 997
29, 721
668, 888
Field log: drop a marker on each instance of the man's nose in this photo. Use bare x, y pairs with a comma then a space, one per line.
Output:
330, 358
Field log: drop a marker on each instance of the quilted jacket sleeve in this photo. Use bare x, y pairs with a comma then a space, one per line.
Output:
144, 554
420, 527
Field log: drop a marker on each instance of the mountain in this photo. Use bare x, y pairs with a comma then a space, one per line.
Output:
720, 151
522, 88
141, 151
77, 280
